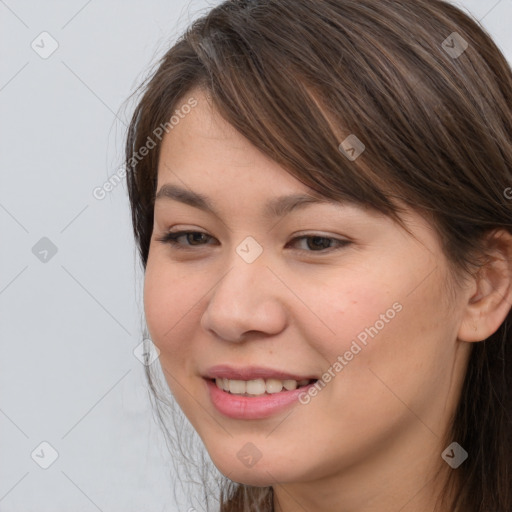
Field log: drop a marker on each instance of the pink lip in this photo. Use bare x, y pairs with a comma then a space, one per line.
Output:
252, 408
223, 371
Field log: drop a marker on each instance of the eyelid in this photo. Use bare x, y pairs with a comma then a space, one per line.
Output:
170, 238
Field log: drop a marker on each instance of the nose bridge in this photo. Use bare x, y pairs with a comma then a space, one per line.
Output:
247, 267
245, 299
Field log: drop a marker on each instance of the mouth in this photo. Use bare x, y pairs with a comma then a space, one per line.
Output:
255, 392
260, 386
257, 398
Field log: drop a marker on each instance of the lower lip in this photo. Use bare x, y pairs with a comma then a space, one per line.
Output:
252, 408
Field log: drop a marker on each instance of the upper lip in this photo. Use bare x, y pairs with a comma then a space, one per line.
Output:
224, 371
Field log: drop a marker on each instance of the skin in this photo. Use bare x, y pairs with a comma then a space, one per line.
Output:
373, 437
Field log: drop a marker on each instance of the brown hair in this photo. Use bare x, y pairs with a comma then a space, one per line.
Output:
296, 78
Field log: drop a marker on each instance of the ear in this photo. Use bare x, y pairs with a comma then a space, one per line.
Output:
490, 294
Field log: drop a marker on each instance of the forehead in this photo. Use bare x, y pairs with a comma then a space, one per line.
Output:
206, 156
206, 151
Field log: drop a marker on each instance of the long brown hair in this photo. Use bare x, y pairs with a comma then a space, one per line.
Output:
429, 94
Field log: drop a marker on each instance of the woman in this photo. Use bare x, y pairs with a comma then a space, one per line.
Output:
319, 198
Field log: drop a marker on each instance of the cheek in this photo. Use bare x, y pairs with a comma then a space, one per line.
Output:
170, 296
390, 319
349, 306
172, 308
397, 345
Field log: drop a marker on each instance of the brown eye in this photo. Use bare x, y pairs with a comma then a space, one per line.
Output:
193, 238
316, 243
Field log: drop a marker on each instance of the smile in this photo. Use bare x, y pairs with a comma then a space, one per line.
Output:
242, 405
258, 387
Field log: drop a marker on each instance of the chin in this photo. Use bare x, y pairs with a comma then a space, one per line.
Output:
261, 474
252, 477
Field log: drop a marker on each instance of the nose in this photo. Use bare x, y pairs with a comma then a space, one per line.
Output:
246, 300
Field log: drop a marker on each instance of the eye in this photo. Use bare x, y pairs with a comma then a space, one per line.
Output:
321, 242
172, 238
194, 239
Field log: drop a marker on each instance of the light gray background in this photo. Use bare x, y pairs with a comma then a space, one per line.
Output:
68, 326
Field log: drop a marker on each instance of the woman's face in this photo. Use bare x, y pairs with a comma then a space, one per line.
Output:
360, 305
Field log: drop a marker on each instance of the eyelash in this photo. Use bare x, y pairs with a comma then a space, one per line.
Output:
171, 239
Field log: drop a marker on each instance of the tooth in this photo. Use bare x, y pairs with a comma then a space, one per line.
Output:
256, 387
290, 384
237, 386
273, 385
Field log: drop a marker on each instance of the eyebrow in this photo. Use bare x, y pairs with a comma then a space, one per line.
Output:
277, 207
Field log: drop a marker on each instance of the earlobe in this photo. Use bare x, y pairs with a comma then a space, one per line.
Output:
488, 306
